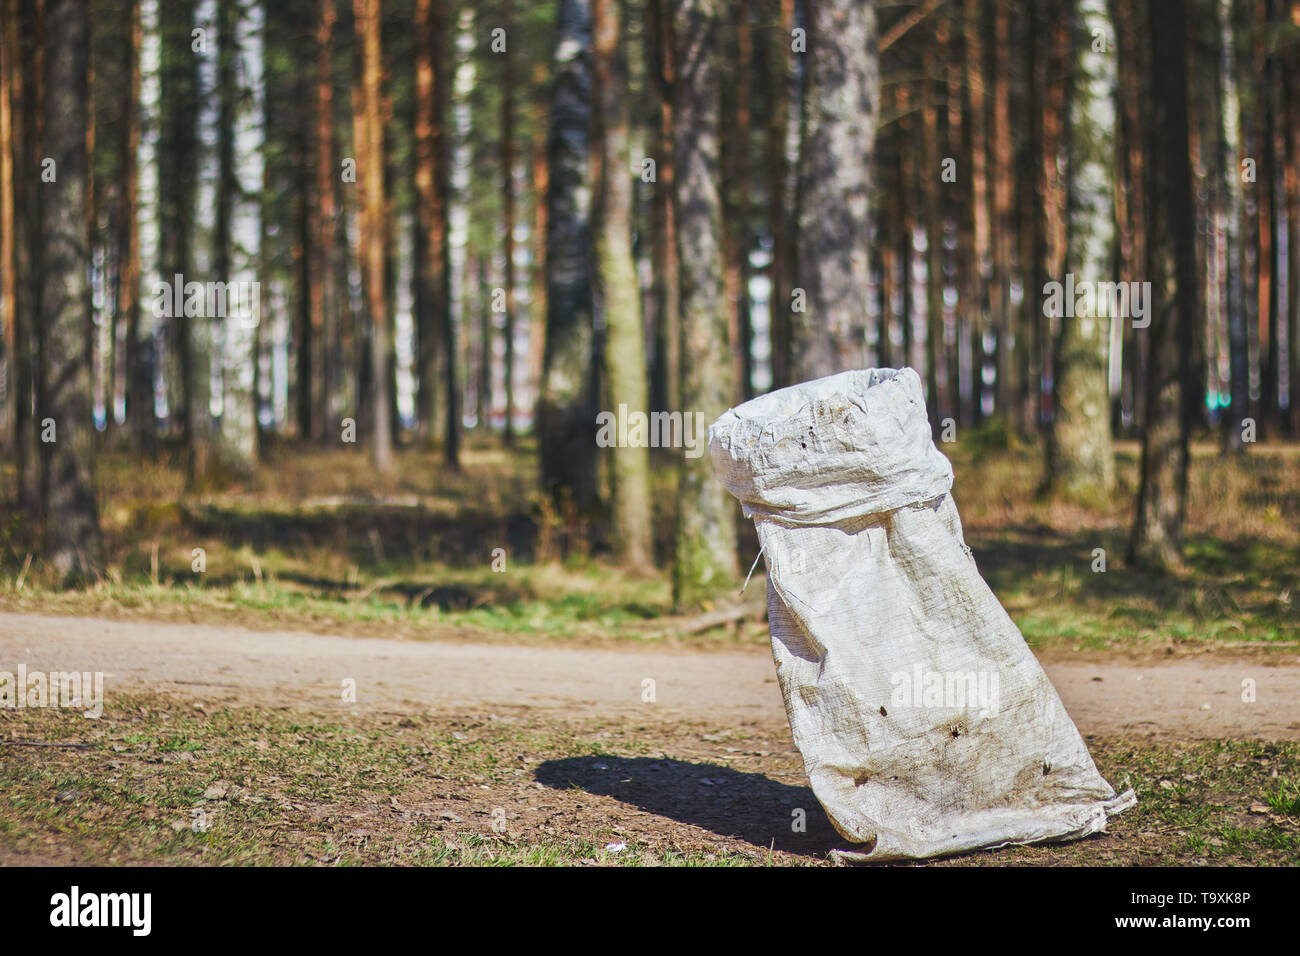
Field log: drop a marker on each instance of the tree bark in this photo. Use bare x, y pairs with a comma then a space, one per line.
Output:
980, 268
239, 229
9, 412
324, 302
841, 111
705, 546
431, 217
625, 359
370, 167
177, 183
1084, 461
566, 410
72, 540
666, 378
1008, 384
1157, 534
777, 139
508, 220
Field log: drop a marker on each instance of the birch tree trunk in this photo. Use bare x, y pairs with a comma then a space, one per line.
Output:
1085, 461
239, 432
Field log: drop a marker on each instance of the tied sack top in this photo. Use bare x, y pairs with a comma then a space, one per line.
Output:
841, 447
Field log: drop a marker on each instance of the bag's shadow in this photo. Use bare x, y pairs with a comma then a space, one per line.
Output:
731, 803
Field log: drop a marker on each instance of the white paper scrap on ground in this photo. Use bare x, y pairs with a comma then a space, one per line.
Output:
926, 725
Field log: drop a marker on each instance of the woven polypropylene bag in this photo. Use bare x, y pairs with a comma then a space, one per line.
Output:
926, 724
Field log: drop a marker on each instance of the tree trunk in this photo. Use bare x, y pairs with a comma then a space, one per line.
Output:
370, 168
625, 359
139, 372
705, 547
777, 139
1228, 156
926, 181
508, 221
1008, 381
841, 110
73, 544
1157, 534
22, 29
1291, 190
666, 378
9, 411
567, 404
980, 268
1132, 54
735, 194
1085, 460
540, 179
177, 182
239, 225
324, 302
431, 224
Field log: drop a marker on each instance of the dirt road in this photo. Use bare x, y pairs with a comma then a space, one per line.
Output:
1183, 699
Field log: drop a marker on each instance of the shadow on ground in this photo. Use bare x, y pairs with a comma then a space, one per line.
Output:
730, 803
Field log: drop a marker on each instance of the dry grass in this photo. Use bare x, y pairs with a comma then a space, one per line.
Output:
317, 540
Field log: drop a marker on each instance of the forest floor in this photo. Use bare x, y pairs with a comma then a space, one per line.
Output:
499, 713
220, 745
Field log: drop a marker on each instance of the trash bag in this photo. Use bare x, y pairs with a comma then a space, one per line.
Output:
926, 725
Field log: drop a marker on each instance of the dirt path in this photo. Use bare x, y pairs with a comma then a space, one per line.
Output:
1182, 699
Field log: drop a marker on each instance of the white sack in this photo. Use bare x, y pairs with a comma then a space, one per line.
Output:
871, 592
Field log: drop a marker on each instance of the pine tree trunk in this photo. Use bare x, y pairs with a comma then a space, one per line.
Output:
1132, 54
841, 111
777, 138
177, 183
429, 215
540, 181
73, 544
666, 373
928, 185
139, 376
1008, 383
370, 171
324, 301
21, 41
980, 268
566, 410
705, 549
508, 222
8, 287
1291, 189
1230, 149
1157, 534
450, 367
625, 359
